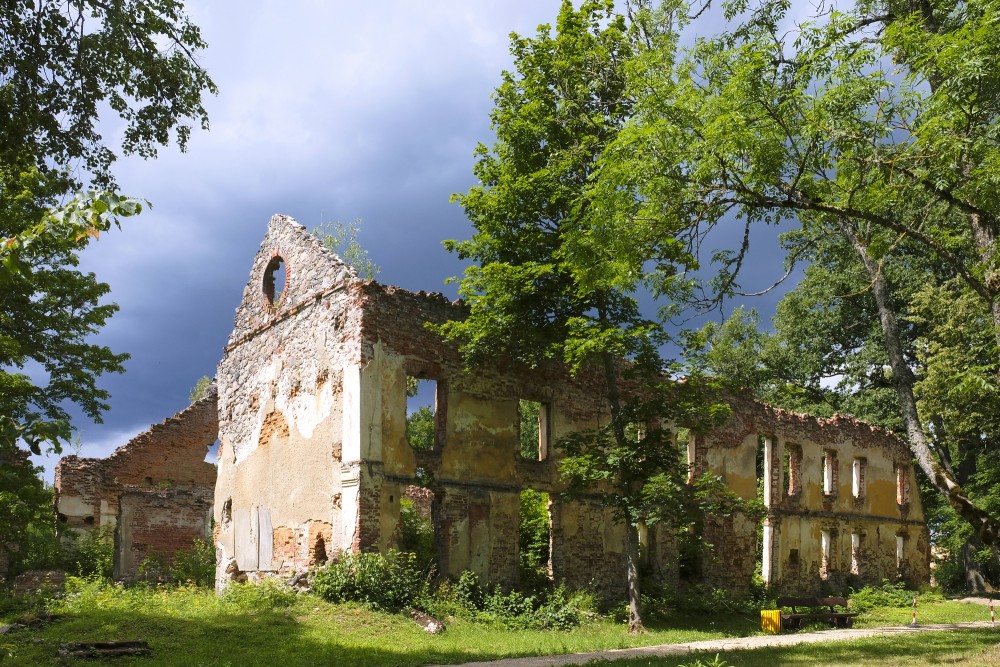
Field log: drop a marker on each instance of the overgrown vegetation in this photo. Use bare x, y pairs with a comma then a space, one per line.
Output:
271, 624
388, 582
416, 535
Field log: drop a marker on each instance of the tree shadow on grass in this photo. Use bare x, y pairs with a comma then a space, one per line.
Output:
265, 638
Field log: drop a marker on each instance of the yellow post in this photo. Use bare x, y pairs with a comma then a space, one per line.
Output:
770, 620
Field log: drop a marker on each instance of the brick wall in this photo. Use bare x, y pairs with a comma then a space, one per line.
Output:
158, 522
167, 459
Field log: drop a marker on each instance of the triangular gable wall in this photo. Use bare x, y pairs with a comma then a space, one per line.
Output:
310, 271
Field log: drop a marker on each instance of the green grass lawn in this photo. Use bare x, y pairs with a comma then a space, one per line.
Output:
965, 648
193, 627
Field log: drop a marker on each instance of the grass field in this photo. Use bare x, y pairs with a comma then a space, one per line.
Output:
189, 626
966, 648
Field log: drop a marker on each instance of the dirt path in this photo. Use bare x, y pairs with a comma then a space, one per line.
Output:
715, 645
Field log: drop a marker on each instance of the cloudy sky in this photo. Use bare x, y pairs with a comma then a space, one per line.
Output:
327, 110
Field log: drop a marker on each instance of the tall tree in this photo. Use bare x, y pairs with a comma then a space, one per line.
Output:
883, 116
65, 68
548, 282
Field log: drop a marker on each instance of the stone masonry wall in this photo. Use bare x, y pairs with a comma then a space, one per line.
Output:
168, 461
819, 536
315, 458
170, 455
279, 505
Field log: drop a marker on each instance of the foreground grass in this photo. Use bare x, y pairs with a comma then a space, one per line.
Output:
193, 627
965, 648
189, 626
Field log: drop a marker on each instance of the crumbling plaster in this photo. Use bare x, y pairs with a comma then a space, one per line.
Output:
312, 423
314, 458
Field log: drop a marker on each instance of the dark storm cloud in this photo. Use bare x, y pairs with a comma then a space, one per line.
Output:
326, 111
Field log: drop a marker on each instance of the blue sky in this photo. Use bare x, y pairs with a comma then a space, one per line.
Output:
326, 111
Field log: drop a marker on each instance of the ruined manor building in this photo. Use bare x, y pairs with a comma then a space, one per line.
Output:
314, 456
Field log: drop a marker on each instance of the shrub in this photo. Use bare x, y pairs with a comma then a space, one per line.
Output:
416, 534
195, 565
154, 566
386, 582
268, 594
887, 595
90, 553
556, 609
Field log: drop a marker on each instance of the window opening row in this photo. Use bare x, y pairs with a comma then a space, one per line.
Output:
828, 564
791, 464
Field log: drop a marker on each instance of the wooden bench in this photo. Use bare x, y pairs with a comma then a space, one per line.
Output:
819, 609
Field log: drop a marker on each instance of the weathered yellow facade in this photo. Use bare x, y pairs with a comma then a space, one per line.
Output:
314, 454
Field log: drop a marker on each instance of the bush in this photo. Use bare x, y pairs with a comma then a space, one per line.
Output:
195, 565
268, 594
90, 553
556, 609
888, 595
387, 582
153, 567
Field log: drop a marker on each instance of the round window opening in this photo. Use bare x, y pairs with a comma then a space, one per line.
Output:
274, 280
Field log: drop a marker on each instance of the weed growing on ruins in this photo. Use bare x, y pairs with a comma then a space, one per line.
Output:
416, 534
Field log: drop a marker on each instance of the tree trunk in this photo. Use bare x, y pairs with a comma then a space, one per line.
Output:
631, 530
986, 527
632, 574
975, 580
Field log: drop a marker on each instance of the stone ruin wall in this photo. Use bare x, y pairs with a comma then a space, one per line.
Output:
168, 459
277, 503
475, 471
314, 457
813, 540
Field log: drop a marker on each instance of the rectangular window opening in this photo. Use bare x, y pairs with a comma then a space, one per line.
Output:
902, 484
417, 526
860, 470
760, 466
534, 536
900, 552
534, 426
829, 472
856, 553
685, 446
421, 413
825, 565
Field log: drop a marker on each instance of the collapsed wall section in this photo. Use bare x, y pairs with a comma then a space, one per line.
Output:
169, 459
